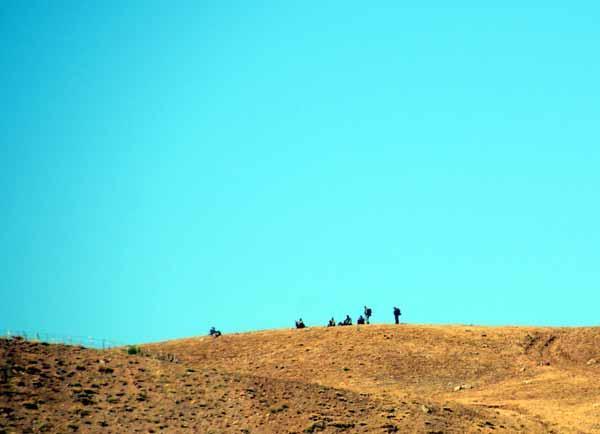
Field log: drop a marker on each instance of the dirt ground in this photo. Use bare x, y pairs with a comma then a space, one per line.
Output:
363, 379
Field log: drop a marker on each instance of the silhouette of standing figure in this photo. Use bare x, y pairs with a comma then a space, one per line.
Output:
368, 312
397, 314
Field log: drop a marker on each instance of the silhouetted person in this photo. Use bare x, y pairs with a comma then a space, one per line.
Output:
360, 320
331, 323
397, 314
300, 324
214, 332
348, 320
368, 313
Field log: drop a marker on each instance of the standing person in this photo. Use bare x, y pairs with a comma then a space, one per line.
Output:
397, 314
368, 313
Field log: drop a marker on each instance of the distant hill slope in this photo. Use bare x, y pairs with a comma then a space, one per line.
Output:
375, 379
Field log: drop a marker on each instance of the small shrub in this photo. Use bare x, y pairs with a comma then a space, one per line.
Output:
133, 349
278, 409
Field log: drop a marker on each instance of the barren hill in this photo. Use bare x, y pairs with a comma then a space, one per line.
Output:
372, 379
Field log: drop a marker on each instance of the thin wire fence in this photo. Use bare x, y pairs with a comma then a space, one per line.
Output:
52, 338
88, 342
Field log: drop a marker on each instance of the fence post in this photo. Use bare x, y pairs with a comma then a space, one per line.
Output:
84, 341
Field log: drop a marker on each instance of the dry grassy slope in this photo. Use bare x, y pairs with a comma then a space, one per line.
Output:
372, 379
53, 388
544, 375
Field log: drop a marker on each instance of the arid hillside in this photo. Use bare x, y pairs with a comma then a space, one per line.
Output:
371, 379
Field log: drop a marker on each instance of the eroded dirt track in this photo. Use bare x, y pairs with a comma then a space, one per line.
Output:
375, 379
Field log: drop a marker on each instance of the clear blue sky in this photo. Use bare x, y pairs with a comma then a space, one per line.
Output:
241, 164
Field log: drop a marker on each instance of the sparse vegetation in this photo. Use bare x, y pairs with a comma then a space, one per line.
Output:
279, 408
133, 349
207, 385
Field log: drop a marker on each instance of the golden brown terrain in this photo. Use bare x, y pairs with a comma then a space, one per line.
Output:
363, 379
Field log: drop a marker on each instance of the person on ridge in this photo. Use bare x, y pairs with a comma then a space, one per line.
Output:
348, 320
214, 332
368, 312
360, 320
300, 324
397, 314
331, 323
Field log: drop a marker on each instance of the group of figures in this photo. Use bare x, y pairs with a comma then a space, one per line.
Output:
362, 319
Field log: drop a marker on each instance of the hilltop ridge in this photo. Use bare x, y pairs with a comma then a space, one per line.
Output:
373, 378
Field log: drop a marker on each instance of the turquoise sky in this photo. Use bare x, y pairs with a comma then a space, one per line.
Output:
168, 168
